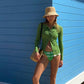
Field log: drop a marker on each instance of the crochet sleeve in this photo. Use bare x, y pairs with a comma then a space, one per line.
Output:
38, 38
60, 41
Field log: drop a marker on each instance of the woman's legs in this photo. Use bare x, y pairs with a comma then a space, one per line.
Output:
54, 68
40, 67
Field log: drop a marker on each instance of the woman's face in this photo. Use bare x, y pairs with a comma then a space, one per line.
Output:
51, 18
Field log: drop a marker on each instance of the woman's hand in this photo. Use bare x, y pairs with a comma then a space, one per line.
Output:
60, 63
37, 56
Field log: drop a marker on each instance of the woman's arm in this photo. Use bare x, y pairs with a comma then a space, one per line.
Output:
60, 41
38, 38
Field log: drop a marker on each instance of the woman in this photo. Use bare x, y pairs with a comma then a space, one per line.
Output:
52, 52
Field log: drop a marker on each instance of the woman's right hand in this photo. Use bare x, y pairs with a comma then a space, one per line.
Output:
37, 56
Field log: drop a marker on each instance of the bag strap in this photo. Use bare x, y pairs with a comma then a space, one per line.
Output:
41, 29
41, 33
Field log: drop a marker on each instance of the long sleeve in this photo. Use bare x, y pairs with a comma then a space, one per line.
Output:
60, 41
38, 38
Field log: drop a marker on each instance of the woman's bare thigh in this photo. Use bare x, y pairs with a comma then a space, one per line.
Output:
55, 65
41, 66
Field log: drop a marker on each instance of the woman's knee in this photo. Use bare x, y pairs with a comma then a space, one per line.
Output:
35, 79
53, 77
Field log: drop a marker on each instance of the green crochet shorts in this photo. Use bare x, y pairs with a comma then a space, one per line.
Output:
50, 55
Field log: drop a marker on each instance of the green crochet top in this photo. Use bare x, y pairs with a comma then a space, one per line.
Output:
50, 35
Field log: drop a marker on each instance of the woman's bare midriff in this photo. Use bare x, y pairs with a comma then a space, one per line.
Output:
48, 47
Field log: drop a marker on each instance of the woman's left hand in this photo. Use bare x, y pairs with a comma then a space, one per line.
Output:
60, 63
